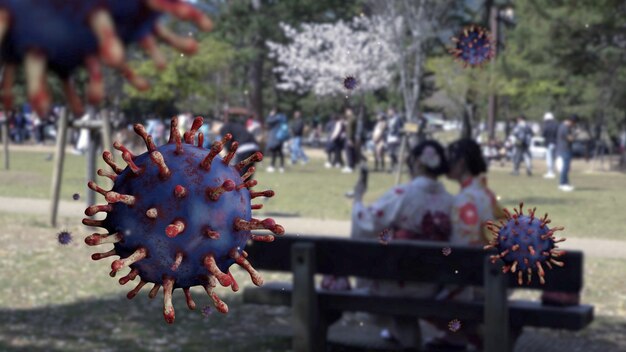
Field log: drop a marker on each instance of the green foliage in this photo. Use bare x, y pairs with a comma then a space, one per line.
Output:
566, 57
188, 82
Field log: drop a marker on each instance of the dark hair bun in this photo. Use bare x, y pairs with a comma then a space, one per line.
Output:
467, 149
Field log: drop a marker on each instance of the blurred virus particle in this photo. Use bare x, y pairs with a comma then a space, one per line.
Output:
206, 311
525, 243
446, 251
64, 237
350, 82
179, 216
474, 46
62, 36
385, 236
76, 196
454, 325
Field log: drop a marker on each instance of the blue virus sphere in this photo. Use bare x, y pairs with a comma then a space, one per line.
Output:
474, 46
454, 325
179, 216
63, 35
76, 196
350, 83
525, 243
64, 237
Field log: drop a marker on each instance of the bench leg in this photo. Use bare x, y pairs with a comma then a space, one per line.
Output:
309, 325
496, 313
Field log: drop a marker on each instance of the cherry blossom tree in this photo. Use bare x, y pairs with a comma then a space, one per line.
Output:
319, 56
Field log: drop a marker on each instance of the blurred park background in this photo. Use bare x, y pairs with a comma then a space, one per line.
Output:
293, 55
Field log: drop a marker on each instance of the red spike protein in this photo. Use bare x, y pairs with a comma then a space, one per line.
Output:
179, 216
525, 243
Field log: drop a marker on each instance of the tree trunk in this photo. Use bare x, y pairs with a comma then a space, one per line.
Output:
256, 78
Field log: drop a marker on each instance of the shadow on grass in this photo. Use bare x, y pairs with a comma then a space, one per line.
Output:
117, 324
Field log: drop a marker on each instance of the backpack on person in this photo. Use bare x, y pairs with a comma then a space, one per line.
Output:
282, 133
524, 136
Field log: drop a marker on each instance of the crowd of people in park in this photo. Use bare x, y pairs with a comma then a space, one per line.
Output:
345, 138
558, 139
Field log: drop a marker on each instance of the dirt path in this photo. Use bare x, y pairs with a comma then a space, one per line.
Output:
301, 226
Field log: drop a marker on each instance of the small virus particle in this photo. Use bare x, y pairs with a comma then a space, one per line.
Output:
64, 237
76, 196
179, 216
525, 243
385, 236
474, 46
446, 251
454, 325
206, 311
350, 83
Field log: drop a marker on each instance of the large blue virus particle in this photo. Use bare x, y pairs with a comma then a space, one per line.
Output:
63, 35
179, 216
525, 243
474, 46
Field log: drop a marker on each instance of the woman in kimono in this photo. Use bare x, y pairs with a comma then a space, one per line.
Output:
472, 208
416, 210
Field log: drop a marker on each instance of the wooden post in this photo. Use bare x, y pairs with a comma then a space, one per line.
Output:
5, 139
92, 148
496, 315
107, 135
401, 158
59, 158
309, 330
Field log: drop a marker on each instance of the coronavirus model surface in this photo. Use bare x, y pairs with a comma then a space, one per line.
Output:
525, 243
179, 216
474, 46
63, 35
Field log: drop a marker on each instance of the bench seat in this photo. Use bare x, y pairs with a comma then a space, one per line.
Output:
522, 312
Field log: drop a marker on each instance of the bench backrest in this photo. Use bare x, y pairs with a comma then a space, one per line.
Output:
408, 261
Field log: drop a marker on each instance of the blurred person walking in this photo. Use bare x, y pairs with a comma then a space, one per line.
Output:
351, 141
550, 129
297, 131
378, 137
565, 137
394, 137
247, 143
278, 134
336, 142
523, 135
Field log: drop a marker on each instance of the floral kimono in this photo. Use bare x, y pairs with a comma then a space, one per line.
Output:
473, 207
417, 210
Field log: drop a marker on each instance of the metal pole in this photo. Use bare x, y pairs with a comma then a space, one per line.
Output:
5, 139
59, 158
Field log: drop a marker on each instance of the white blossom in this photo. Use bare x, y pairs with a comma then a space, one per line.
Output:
320, 55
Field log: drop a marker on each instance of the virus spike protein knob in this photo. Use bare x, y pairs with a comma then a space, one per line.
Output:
178, 220
525, 243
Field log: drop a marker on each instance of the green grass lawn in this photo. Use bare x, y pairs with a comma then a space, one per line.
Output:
54, 298
593, 210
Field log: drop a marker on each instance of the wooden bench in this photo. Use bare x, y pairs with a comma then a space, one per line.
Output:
315, 309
